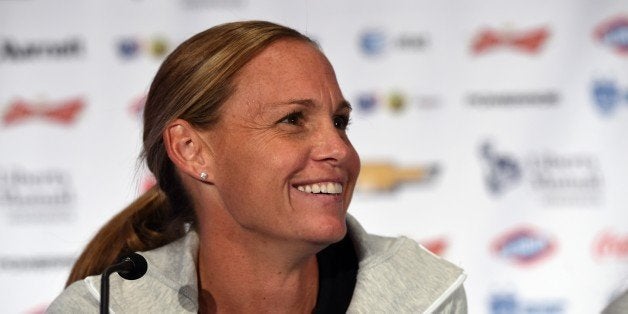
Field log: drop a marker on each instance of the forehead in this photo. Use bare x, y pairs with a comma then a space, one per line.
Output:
287, 69
286, 57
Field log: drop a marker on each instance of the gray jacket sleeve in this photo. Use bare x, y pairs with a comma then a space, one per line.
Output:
456, 303
75, 299
618, 305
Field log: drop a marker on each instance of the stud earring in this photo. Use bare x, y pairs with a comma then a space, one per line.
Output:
203, 176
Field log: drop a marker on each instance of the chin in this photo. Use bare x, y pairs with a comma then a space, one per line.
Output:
329, 230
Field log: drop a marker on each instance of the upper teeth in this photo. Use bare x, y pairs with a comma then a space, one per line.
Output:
329, 187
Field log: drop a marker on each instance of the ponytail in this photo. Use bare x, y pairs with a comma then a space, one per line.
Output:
137, 228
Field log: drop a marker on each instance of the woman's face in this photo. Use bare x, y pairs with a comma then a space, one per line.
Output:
284, 167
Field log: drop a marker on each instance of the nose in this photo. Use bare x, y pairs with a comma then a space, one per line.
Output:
332, 144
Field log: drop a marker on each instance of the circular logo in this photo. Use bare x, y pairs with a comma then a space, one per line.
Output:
158, 47
397, 101
128, 48
373, 43
367, 102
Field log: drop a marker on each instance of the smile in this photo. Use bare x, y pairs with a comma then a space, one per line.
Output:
320, 188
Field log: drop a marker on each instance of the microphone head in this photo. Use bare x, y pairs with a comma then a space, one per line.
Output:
137, 266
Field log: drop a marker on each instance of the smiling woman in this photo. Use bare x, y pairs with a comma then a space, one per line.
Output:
245, 129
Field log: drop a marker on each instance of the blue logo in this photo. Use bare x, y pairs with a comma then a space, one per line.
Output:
373, 43
508, 303
128, 48
504, 304
367, 102
608, 95
503, 171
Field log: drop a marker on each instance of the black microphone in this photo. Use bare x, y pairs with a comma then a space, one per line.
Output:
130, 267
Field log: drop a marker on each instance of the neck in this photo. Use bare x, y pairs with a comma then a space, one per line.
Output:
245, 271
235, 279
242, 271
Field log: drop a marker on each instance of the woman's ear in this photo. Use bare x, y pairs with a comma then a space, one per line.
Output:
187, 150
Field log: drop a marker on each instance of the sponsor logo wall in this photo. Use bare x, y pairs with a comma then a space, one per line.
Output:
491, 133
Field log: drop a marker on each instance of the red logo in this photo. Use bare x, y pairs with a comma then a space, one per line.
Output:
528, 41
38, 309
436, 246
523, 246
614, 33
611, 245
62, 112
136, 108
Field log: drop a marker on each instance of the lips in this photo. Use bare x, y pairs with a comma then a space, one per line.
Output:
321, 188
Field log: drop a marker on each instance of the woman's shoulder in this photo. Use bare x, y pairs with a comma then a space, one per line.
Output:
76, 298
169, 283
397, 271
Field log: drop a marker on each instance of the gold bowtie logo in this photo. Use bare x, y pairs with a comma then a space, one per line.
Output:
385, 176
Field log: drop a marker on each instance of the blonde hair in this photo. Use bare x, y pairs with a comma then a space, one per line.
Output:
191, 84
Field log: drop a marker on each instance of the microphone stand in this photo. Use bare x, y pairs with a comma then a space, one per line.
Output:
130, 267
125, 264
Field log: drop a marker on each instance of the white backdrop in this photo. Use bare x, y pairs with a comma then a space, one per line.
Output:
493, 132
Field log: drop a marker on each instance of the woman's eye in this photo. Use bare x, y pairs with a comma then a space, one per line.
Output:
293, 118
341, 122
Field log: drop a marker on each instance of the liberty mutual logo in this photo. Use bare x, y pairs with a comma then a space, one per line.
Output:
558, 178
502, 171
36, 196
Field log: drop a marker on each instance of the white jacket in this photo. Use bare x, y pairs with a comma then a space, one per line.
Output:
395, 275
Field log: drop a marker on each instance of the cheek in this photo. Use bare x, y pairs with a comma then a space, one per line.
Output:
242, 188
234, 169
258, 167
282, 163
254, 181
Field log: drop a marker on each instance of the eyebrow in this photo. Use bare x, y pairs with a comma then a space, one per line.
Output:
310, 103
345, 104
